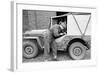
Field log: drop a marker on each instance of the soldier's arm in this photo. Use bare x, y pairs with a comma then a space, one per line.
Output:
56, 33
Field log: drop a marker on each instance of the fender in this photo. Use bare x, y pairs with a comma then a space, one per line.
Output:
34, 38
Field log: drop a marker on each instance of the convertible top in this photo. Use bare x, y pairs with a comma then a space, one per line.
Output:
71, 13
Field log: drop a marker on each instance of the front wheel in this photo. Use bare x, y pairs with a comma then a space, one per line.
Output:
77, 51
30, 49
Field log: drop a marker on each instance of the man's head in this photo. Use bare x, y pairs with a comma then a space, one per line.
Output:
63, 25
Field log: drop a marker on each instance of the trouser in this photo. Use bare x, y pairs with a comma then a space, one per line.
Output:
46, 48
54, 48
47, 41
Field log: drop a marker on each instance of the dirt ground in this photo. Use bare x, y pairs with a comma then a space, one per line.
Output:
62, 56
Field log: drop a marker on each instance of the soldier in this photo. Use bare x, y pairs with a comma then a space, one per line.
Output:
56, 31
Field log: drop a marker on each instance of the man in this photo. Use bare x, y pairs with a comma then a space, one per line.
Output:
56, 31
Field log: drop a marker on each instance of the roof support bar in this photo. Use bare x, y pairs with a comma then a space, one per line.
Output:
77, 24
87, 24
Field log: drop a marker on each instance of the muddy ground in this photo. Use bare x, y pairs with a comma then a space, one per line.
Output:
62, 56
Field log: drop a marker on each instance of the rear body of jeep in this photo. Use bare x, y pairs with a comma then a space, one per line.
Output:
78, 28
78, 37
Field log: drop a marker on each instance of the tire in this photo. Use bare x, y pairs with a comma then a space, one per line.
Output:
77, 51
30, 49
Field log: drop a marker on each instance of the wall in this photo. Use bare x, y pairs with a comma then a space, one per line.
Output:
35, 19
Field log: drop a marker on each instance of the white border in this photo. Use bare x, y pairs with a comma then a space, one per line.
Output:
17, 38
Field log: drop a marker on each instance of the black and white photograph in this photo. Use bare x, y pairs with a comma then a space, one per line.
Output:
52, 36
55, 36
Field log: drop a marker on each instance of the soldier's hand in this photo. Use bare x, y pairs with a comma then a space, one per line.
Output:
61, 33
64, 33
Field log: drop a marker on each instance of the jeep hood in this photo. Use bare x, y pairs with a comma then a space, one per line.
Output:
39, 32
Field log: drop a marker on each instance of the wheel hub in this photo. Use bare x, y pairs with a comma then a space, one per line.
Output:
77, 51
29, 50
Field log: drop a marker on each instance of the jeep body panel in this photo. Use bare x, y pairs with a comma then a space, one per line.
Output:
35, 35
63, 42
35, 32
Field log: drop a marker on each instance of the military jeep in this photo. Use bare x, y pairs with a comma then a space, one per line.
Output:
76, 40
